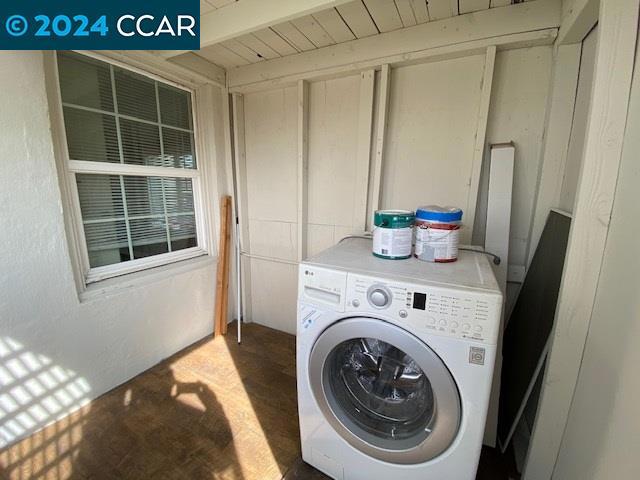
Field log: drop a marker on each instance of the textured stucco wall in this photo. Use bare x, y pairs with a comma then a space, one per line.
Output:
55, 351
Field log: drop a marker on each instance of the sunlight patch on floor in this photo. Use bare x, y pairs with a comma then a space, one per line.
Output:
251, 449
35, 391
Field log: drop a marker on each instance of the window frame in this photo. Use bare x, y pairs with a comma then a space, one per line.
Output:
69, 168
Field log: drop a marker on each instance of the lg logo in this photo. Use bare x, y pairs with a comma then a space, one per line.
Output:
150, 26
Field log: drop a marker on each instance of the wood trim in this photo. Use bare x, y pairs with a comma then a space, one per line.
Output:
303, 167
617, 32
200, 66
365, 132
455, 7
401, 45
222, 275
499, 206
479, 146
148, 62
558, 123
383, 110
578, 18
446, 52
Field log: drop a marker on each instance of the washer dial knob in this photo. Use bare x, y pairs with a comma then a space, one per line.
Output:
379, 296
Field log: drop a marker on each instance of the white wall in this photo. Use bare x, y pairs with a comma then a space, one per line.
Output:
271, 143
333, 167
55, 351
602, 437
517, 113
433, 116
433, 111
271, 163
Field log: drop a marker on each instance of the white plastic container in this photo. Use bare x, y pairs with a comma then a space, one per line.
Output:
438, 233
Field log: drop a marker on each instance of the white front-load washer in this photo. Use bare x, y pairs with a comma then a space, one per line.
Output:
394, 363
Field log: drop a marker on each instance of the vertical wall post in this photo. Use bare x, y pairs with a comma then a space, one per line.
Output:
479, 146
303, 166
564, 85
383, 107
455, 7
365, 131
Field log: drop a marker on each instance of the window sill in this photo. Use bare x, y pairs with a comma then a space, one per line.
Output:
116, 285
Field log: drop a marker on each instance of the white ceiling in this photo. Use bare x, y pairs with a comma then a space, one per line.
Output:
356, 19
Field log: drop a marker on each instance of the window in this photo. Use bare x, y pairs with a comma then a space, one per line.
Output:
131, 152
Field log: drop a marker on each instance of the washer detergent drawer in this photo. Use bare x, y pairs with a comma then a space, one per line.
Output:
322, 287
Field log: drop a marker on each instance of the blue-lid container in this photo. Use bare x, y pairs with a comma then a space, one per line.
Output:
435, 213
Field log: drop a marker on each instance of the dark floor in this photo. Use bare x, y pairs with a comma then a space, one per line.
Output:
217, 410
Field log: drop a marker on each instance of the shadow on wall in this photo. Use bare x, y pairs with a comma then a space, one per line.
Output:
214, 410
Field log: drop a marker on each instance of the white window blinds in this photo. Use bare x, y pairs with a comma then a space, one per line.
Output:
117, 117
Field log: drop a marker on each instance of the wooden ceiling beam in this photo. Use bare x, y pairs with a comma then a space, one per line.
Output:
246, 16
539, 19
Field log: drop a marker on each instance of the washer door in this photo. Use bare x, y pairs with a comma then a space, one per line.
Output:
384, 391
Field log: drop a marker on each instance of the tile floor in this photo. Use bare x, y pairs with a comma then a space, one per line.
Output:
216, 410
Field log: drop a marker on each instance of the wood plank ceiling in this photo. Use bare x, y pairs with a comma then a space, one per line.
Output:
357, 19
208, 5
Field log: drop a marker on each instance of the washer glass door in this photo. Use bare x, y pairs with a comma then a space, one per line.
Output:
386, 392
381, 388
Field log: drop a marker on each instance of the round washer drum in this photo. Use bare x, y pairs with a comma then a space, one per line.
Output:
384, 391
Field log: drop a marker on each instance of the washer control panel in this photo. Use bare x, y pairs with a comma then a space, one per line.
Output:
443, 311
